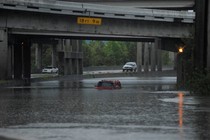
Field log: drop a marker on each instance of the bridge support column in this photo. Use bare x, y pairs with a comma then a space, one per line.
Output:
80, 57
175, 61
26, 46
22, 60
54, 55
5, 53
139, 56
60, 57
180, 71
18, 60
77, 50
159, 54
208, 34
153, 57
38, 56
146, 57
68, 67
74, 50
70, 58
74, 66
80, 66
201, 36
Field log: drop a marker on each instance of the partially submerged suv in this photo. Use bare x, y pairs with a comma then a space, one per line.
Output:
108, 84
130, 66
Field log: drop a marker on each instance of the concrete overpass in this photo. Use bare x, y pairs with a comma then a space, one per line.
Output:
24, 20
152, 4
60, 18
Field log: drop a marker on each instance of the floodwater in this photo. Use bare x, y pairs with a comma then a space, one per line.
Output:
144, 109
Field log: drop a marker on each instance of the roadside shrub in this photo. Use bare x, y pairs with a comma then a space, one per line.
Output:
199, 83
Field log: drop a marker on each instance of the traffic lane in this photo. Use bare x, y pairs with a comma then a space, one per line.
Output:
44, 75
121, 71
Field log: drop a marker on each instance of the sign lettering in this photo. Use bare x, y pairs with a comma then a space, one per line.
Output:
90, 21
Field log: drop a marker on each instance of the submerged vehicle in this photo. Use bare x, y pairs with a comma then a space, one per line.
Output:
108, 84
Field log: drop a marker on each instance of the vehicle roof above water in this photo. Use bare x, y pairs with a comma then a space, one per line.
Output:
109, 81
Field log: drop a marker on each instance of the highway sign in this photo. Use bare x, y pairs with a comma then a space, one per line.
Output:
88, 20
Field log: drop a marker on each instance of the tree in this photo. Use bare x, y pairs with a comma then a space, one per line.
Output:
132, 48
98, 53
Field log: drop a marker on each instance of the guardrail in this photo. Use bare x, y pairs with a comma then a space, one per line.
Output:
94, 10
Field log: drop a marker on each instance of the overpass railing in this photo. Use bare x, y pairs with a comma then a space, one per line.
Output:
94, 10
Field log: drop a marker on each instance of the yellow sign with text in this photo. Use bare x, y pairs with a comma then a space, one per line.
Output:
89, 21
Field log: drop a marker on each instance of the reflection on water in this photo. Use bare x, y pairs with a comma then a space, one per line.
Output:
144, 108
180, 94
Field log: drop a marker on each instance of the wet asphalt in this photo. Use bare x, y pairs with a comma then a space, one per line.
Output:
145, 108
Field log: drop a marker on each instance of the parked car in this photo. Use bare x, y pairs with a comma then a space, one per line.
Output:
108, 84
50, 69
130, 66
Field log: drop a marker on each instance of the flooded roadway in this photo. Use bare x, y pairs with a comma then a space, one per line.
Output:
144, 109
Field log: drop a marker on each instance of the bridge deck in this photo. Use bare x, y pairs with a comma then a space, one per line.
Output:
158, 4
94, 10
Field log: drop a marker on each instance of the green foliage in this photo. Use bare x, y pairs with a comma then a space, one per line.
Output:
165, 58
93, 53
131, 49
196, 80
199, 83
99, 53
47, 56
33, 67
